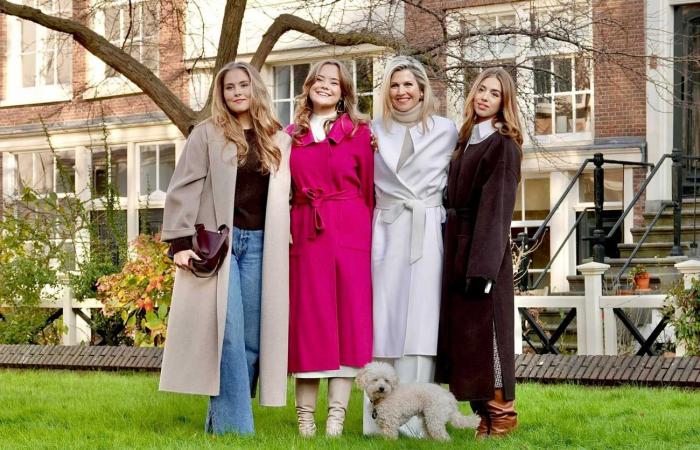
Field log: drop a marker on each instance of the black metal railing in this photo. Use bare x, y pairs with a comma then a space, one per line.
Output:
599, 237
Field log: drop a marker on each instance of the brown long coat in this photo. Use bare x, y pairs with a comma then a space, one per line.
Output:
481, 191
202, 191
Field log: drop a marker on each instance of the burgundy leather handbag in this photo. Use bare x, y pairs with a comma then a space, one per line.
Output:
211, 247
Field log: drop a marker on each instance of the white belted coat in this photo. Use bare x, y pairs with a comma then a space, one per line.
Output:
407, 237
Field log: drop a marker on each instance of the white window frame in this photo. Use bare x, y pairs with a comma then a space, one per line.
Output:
523, 56
155, 199
15, 92
36, 158
101, 85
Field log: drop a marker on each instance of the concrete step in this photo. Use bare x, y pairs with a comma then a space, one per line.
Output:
688, 217
654, 250
664, 233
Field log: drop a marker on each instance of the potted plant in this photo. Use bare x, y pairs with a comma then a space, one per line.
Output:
641, 277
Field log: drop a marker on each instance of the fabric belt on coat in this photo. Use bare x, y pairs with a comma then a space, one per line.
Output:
462, 213
315, 197
392, 207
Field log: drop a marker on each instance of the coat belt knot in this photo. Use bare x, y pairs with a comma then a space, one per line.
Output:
392, 207
315, 197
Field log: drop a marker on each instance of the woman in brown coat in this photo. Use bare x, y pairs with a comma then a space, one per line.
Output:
475, 345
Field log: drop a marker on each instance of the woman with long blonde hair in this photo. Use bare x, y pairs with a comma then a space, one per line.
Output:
227, 330
476, 354
330, 317
414, 150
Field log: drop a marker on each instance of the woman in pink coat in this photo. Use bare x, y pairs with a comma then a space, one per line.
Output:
330, 317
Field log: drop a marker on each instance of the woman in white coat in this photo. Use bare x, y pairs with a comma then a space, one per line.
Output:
415, 147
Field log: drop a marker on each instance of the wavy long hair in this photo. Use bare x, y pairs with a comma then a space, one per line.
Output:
348, 97
507, 116
429, 103
265, 124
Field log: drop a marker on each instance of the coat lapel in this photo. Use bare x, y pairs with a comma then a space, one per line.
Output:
394, 140
222, 167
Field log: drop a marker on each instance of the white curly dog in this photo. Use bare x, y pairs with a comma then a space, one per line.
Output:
394, 404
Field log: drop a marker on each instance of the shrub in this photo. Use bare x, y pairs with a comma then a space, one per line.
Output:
683, 309
141, 293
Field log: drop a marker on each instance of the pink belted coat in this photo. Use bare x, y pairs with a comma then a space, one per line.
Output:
330, 317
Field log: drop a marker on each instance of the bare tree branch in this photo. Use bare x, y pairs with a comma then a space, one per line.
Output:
288, 22
179, 113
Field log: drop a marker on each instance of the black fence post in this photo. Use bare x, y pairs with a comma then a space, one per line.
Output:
523, 276
598, 199
677, 197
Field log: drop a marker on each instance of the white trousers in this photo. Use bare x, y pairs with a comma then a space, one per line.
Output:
409, 369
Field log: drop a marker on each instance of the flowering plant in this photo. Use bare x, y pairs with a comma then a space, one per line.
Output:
141, 293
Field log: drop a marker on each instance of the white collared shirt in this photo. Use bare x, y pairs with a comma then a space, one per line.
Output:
482, 131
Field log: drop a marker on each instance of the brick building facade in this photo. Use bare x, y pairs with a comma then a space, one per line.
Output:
608, 105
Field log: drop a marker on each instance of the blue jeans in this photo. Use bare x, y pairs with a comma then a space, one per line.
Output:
231, 410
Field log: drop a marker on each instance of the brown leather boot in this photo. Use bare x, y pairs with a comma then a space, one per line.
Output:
502, 415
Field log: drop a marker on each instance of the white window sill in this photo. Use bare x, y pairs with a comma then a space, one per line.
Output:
37, 96
554, 140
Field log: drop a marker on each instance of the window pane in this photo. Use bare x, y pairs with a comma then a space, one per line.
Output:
150, 221
300, 73
536, 198
150, 56
543, 115
583, 112
43, 172
612, 186
25, 169
562, 72
150, 20
283, 112
583, 70
29, 70
112, 25
100, 176
47, 71
364, 81
364, 103
119, 170
542, 76
282, 81
65, 172
148, 169
64, 63
28, 37
166, 166
564, 114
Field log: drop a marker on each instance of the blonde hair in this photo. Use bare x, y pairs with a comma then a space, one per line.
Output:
429, 103
265, 124
304, 108
507, 115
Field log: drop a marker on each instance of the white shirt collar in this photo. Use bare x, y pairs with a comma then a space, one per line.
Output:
481, 131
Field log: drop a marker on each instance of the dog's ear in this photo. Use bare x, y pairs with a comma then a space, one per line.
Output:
393, 380
361, 378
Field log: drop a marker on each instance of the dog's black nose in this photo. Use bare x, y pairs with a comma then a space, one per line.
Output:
381, 389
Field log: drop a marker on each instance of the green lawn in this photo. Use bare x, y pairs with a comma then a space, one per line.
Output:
96, 410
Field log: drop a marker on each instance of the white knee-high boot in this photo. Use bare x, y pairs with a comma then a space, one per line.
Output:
338, 397
306, 392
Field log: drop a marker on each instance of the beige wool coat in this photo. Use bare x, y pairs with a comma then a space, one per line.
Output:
202, 191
